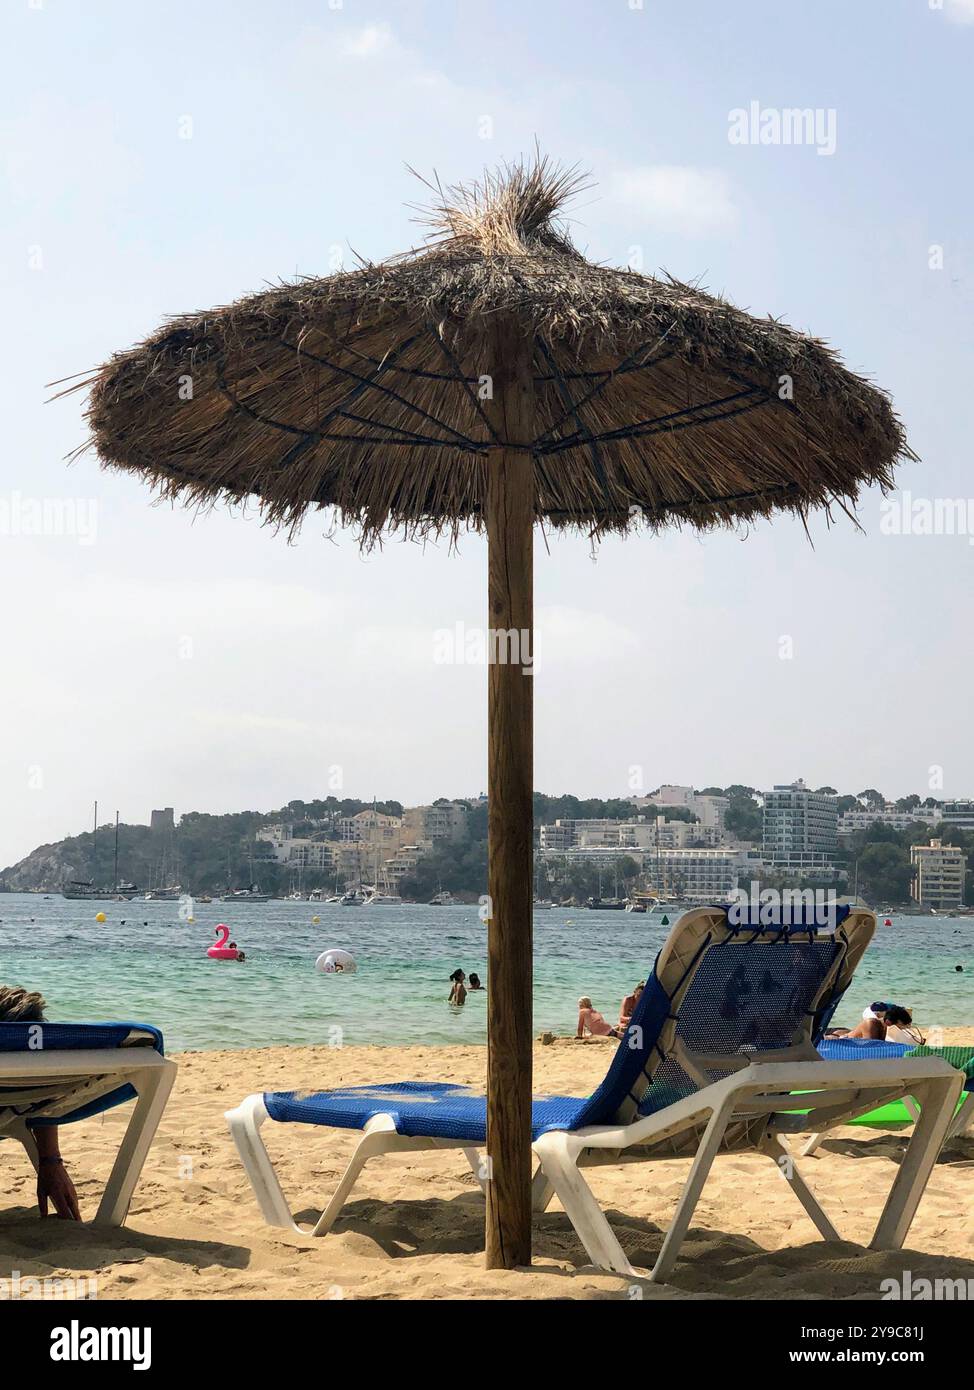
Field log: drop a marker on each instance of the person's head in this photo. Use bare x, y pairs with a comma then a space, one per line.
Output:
896, 1014
638, 989
19, 1005
241, 956
458, 977
474, 981
879, 1008
585, 1002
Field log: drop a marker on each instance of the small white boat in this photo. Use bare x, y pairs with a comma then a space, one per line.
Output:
245, 895
373, 898
444, 898
542, 905
171, 894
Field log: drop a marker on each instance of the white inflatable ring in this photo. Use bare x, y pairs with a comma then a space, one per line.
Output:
336, 962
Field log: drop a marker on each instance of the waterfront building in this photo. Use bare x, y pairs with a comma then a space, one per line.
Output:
710, 810
939, 874
695, 875
372, 827
958, 813
858, 819
444, 820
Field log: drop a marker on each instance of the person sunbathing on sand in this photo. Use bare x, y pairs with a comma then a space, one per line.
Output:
591, 1019
900, 1029
883, 1022
53, 1180
871, 1026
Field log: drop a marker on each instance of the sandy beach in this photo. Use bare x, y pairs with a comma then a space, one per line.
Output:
414, 1227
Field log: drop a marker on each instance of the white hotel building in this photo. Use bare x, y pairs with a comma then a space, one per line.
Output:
699, 875
851, 821
939, 874
800, 833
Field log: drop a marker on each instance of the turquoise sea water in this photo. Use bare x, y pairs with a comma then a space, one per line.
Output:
154, 969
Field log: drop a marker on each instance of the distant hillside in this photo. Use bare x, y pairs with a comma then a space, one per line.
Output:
203, 854
207, 852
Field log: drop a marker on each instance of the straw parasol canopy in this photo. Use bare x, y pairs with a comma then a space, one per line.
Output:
491, 380
365, 391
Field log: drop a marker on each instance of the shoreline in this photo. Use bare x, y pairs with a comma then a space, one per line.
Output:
414, 1225
950, 1037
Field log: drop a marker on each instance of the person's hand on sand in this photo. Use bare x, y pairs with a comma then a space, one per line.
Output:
54, 1185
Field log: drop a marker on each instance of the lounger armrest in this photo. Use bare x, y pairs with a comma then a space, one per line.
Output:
777, 1081
101, 1061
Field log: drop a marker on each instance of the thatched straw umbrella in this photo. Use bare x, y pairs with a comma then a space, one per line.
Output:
493, 379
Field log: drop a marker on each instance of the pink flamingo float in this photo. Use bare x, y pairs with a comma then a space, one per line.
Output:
221, 951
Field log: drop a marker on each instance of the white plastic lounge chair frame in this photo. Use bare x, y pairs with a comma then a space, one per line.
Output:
748, 1109
962, 1121
55, 1083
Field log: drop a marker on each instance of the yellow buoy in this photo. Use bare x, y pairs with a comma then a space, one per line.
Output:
100, 917
315, 920
190, 919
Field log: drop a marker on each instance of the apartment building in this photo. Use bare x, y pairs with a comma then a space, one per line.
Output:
709, 810
697, 875
958, 813
939, 874
800, 829
851, 821
446, 820
373, 828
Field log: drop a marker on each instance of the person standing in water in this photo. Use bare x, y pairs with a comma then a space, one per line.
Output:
458, 993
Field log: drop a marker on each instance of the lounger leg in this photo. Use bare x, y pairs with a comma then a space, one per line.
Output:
558, 1154
24, 1135
938, 1100
785, 1163
375, 1140
706, 1153
541, 1191
810, 1145
476, 1167
153, 1088
964, 1117
245, 1124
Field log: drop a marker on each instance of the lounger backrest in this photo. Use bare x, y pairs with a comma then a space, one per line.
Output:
720, 993
73, 1037
62, 1102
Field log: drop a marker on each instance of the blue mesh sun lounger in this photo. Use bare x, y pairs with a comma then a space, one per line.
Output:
59, 1073
723, 1036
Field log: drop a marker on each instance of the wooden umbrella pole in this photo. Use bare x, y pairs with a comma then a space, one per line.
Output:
510, 757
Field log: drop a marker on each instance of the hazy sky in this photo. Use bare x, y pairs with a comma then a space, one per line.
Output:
156, 158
